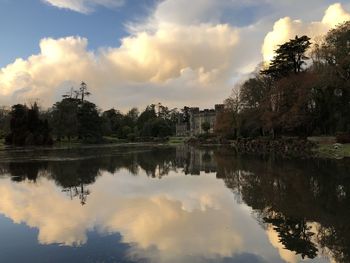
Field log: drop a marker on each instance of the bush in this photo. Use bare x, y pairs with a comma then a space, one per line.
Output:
343, 138
131, 137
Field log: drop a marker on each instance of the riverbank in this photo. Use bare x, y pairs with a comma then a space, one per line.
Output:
287, 147
332, 151
312, 147
315, 147
79, 145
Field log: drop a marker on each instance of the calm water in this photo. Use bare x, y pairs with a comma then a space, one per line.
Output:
171, 205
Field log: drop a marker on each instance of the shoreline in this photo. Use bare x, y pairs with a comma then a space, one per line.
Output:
289, 148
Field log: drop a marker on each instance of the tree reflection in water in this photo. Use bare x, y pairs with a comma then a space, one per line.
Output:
305, 201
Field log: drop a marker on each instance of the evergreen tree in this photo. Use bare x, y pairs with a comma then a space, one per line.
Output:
27, 128
290, 58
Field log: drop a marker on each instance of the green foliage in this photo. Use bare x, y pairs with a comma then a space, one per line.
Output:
333, 151
27, 128
155, 121
65, 118
177, 140
146, 116
125, 131
206, 126
112, 122
4, 122
75, 117
89, 122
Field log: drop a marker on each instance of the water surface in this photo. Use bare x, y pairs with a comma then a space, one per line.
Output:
172, 205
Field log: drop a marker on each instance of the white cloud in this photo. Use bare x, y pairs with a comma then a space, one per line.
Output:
173, 53
287, 28
84, 6
178, 58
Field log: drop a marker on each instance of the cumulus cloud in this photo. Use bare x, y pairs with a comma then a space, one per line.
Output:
84, 6
178, 58
287, 28
36, 77
160, 58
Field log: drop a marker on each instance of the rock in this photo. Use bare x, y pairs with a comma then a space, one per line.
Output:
337, 146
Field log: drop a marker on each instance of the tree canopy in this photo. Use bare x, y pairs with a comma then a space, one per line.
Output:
290, 58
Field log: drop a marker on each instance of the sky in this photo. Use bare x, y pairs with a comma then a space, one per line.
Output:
138, 52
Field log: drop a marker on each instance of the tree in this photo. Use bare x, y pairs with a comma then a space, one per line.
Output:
112, 121
233, 105
291, 107
290, 57
225, 125
65, 118
130, 119
157, 121
148, 115
205, 127
83, 91
335, 56
156, 128
89, 122
185, 116
254, 91
27, 128
336, 50
4, 122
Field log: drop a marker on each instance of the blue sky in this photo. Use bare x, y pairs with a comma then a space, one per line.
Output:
138, 52
23, 23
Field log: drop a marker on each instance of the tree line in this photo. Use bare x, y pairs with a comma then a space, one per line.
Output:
303, 91
76, 118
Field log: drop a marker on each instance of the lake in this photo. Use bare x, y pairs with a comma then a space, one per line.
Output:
172, 205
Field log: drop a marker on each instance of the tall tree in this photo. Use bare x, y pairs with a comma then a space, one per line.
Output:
336, 54
89, 122
290, 58
147, 115
65, 118
83, 91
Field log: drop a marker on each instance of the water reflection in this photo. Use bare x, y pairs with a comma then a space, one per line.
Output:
234, 208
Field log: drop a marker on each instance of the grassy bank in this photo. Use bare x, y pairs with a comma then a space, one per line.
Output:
326, 147
334, 151
177, 140
109, 140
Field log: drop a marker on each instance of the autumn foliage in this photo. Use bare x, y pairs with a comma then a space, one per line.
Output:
305, 90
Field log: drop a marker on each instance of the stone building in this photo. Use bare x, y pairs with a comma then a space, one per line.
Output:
192, 125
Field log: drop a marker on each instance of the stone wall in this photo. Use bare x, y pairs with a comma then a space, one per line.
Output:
197, 118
